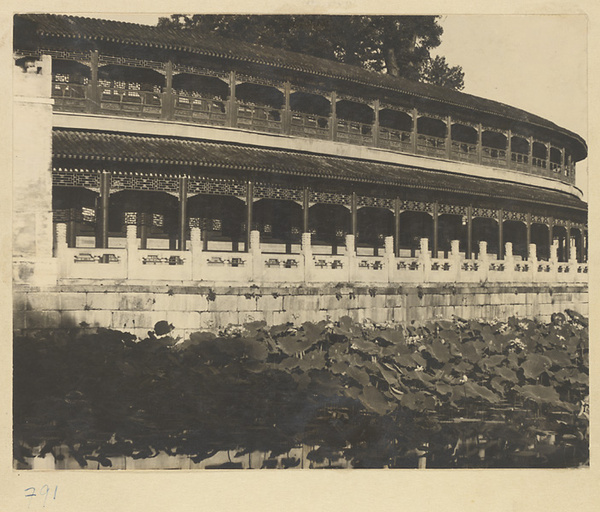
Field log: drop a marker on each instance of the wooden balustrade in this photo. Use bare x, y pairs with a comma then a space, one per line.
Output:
198, 109
193, 107
431, 146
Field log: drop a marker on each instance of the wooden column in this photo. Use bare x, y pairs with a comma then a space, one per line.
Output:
528, 235
568, 242
168, 106
145, 219
102, 213
550, 236
470, 232
183, 184
434, 253
94, 88
530, 156
305, 209
376, 107
508, 148
562, 162
354, 214
414, 134
287, 112
397, 226
232, 114
479, 143
500, 234
333, 115
72, 228
249, 205
548, 148
448, 136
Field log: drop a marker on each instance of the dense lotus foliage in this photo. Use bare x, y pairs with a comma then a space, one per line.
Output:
452, 393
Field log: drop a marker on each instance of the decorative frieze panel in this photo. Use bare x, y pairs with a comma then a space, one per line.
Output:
267, 191
540, 219
196, 70
416, 206
329, 198
452, 209
76, 178
81, 57
148, 182
519, 216
103, 60
241, 78
349, 97
216, 187
375, 202
310, 90
486, 213
395, 108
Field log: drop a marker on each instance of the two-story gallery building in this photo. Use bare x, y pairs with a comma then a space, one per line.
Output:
150, 161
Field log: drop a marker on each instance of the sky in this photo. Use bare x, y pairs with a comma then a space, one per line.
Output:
534, 62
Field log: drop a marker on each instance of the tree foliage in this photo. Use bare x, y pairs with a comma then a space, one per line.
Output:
397, 45
374, 395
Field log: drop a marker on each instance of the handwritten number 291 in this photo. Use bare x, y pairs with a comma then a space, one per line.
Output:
44, 492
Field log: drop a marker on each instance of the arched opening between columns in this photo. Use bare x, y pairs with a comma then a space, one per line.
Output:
451, 227
70, 83
132, 91
431, 136
221, 220
280, 225
374, 224
414, 226
539, 155
310, 115
200, 99
519, 152
157, 214
576, 245
515, 232
395, 130
259, 107
354, 122
76, 207
329, 224
464, 143
493, 148
540, 237
485, 230
559, 238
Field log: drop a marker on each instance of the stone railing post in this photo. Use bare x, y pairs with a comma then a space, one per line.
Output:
425, 258
196, 252
484, 261
533, 262
256, 255
390, 258
61, 253
509, 262
306, 250
553, 261
455, 260
132, 255
61, 240
351, 257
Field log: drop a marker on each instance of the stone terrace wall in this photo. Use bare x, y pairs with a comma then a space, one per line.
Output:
136, 308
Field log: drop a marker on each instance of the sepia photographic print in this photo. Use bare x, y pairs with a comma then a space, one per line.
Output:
299, 242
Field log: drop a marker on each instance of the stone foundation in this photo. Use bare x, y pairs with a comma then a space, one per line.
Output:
136, 308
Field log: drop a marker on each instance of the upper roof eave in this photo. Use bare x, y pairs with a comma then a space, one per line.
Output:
105, 31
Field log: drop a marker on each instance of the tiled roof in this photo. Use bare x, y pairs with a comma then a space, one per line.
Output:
84, 146
96, 30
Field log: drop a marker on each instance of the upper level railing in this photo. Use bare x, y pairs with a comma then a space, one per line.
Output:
157, 102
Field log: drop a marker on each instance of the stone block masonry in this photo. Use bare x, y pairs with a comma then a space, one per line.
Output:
136, 308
